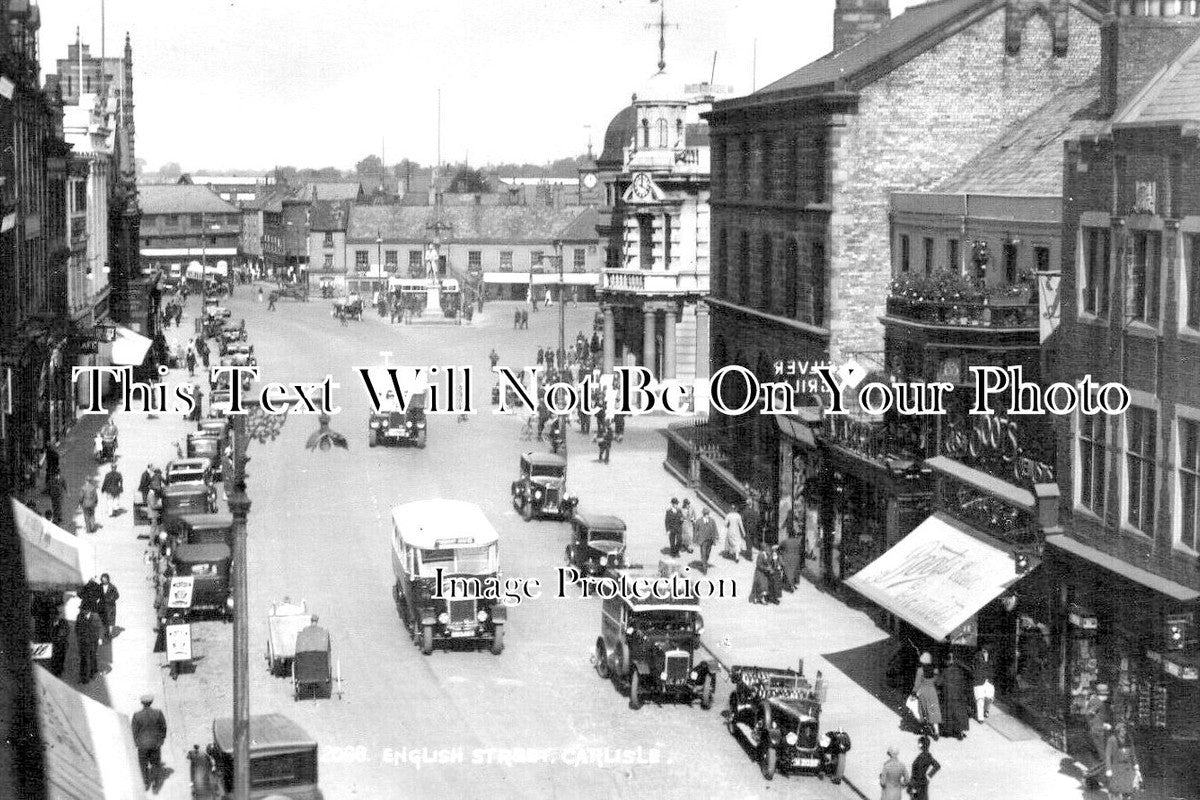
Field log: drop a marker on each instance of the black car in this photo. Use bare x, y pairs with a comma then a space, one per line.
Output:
393, 426
776, 714
541, 490
597, 543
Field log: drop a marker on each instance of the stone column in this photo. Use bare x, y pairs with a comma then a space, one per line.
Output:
703, 368
610, 340
648, 330
669, 343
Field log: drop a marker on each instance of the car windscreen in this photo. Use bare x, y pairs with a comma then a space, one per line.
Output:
606, 535
666, 621
460, 560
203, 569
546, 471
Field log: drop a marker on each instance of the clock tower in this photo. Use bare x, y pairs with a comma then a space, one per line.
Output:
591, 193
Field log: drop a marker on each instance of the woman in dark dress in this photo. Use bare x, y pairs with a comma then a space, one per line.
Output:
924, 767
956, 686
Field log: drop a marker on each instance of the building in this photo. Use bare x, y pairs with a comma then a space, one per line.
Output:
296, 208
804, 168
1127, 576
183, 223
509, 248
263, 229
656, 171
235, 189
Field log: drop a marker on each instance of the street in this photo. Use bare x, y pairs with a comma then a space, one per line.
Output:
319, 531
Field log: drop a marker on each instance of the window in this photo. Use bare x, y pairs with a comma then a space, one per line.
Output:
196, 221
535, 259
1094, 271
953, 255
361, 260
820, 145
645, 133
928, 242
645, 241
818, 283
172, 220
1143, 283
905, 253
475, 259
1189, 482
329, 261
666, 222
506, 260
1093, 460
328, 240
81, 196
744, 267
1193, 282
722, 276
791, 278
1041, 259
718, 168
1141, 428
744, 168
391, 260
679, 133
415, 267
1010, 262
768, 164
580, 261
662, 133
792, 168
765, 276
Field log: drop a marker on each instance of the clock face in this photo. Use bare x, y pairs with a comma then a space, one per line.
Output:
589, 180
641, 185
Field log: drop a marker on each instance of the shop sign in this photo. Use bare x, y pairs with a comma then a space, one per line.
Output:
1080, 617
39, 651
993, 445
966, 634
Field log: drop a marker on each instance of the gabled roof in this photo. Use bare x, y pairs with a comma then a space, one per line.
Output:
268, 200
473, 223
1172, 97
333, 190
1027, 159
181, 198
583, 227
329, 215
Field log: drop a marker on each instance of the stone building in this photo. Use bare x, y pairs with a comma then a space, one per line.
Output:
803, 170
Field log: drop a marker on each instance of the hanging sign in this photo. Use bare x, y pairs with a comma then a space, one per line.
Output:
180, 593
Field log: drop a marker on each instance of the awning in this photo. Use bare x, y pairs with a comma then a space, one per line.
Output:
1112, 564
54, 559
937, 577
90, 753
129, 348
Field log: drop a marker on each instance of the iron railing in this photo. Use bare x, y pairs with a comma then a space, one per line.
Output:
982, 313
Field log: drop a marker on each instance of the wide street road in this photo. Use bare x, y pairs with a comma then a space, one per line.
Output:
319, 531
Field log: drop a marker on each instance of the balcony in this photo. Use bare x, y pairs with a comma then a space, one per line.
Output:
677, 161
985, 313
640, 281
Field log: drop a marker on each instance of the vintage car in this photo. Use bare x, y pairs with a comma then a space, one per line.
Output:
202, 445
597, 543
219, 402
295, 291
397, 422
214, 311
238, 354
283, 759
197, 529
215, 426
541, 491
652, 646
208, 565
432, 542
188, 498
775, 713
188, 470
231, 334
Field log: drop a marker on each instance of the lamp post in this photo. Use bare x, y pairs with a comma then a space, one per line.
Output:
379, 250
562, 307
252, 423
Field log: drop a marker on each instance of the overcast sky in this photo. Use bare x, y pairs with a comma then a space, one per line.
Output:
256, 83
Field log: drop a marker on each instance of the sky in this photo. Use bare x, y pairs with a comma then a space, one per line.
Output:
251, 84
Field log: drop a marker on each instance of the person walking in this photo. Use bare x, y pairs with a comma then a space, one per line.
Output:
924, 767
735, 535
60, 643
112, 488
706, 537
750, 521
541, 356
1121, 764
983, 672
274, 296
605, 439
762, 578
673, 522
149, 732
837, 745
494, 358
893, 777
88, 501
1098, 714
926, 691
260, 294
144, 481
525, 320
516, 318
955, 688
108, 605
57, 486
87, 639
688, 535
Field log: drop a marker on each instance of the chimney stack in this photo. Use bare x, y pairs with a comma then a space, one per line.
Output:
1137, 39
855, 20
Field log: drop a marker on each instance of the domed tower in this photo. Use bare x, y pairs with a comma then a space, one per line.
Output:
855, 20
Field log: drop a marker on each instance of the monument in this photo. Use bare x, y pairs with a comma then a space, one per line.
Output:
433, 290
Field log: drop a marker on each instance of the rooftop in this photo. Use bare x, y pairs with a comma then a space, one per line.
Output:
329, 215
583, 227
1170, 98
474, 223
181, 198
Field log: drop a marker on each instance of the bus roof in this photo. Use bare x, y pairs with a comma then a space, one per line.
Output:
443, 524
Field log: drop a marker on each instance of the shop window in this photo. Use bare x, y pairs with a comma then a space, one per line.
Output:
1192, 297
580, 260
905, 253
1140, 478
1095, 271
1189, 482
361, 260
1143, 282
1093, 456
506, 260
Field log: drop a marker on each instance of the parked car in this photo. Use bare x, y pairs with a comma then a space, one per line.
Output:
208, 565
188, 498
775, 713
201, 445
215, 426
597, 543
652, 647
189, 470
295, 291
541, 489
283, 759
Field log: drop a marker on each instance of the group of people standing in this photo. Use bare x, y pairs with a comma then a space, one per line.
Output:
895, 778
943, 697
95, 624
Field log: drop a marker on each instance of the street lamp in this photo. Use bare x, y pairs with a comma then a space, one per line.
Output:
562, 308
379, 250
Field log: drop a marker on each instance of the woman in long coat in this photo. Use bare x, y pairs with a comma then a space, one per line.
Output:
957, 691
1121, 762
762, 578
925, 690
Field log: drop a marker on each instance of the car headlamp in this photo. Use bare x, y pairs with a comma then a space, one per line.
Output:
699, 624
229, 603
537, 494
482, 616
408, 424
444, 617
693, 675
664, 675
604, 561
791, 738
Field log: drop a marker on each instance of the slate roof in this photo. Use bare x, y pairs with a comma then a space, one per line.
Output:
617, 136
482, 223
181, 198
271, 200
583, 227
329, 215
340, 190
1027, 159
1170, 98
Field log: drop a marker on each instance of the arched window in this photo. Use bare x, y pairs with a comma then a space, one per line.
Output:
662, 134
744, 268
722, 277
791, 276
645, 133
678, 133
764, 274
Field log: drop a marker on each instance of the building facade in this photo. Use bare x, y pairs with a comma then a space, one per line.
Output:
182, 223
263, 229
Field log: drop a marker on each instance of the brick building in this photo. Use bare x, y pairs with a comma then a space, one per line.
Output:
803, 170
263, 229
296, 207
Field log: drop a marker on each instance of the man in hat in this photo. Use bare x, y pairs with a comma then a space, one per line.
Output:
674, 526
149, 733
113, 487
893, 777
706, 537
1098, 714
144, 482
88, 500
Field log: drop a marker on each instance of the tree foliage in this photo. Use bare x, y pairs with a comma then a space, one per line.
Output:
469, 181
170, 171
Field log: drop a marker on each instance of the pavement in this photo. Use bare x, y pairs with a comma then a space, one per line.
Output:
454, 698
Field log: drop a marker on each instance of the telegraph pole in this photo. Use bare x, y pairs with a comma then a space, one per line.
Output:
239, 506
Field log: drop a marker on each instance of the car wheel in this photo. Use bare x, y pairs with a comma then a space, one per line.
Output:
427, 639
602, 662
768, 762
706, 693
421, 440
635, 698
526, 510
372, 438
498, 640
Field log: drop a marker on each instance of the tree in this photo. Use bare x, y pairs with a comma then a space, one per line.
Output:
170, 171
469, 181
139, 167
371, 165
